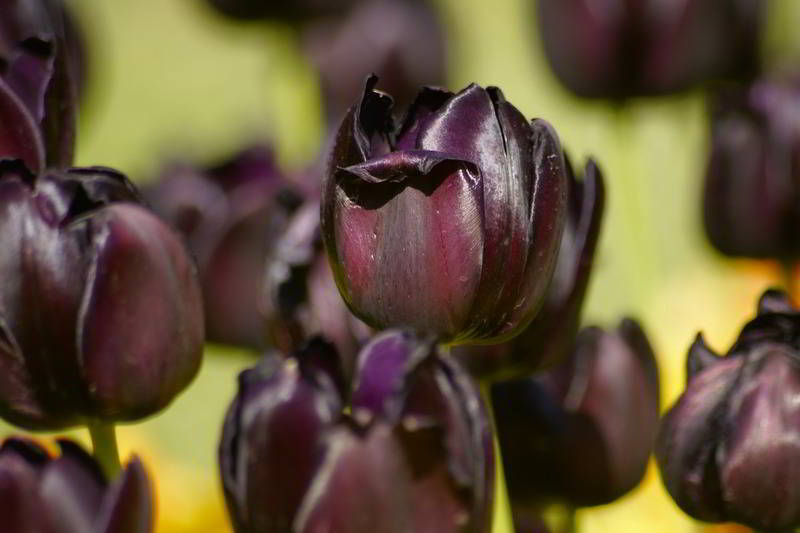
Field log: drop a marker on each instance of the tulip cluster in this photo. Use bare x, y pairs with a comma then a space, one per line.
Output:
451, 246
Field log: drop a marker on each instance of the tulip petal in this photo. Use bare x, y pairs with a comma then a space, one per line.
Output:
384, 367
686, 449
361, 488
547, 213
21, 462
759, 460
139, 268
19, 134
127, 505
72, 488
29, 73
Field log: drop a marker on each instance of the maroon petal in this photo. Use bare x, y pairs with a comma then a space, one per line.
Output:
140, 268
19, 133
127, 506
72, 488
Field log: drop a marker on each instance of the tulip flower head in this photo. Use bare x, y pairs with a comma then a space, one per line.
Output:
100, 309
729, 449
412, 452
449, 225
69, 493
231, 215
582, 433
753, 173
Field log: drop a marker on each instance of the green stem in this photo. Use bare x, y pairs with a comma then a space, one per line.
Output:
502, 520
104, 446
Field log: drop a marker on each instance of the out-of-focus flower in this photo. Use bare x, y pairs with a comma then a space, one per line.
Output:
231, 215
582, 433
293, 10
619, 49
100, 309
729, 449
548, 339
401, 41
69, 493
42, 66
450, 225
752, 193
412, 453
303, 300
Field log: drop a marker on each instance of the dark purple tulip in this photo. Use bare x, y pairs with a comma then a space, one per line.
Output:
293, 10
582, 433
618, 49
69, 493
412, 452
401, 41
729, 449
42, 66
752, 193
450, 225
303, 300
230, 215
549, 338
100, 309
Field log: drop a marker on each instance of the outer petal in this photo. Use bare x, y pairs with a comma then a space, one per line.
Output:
686, 448
19, 133
127, 506
29, 72
583, 41
21, 463
407, 253
140, 268
363, 487
72, 489
745, 181
549, 337
272, 442
44, 278
759, 453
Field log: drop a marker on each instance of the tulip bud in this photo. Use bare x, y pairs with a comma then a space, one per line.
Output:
303, 300
548, 339
100, 310
412, 452
69, 493
754, 171
42, 67
728, 450
406, 53
294, 10
622, 49
582, 433
450, 226
230, 215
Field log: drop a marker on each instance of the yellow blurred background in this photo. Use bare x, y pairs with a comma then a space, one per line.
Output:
170, 77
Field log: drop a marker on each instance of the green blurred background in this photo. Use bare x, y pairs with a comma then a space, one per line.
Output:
169, 77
